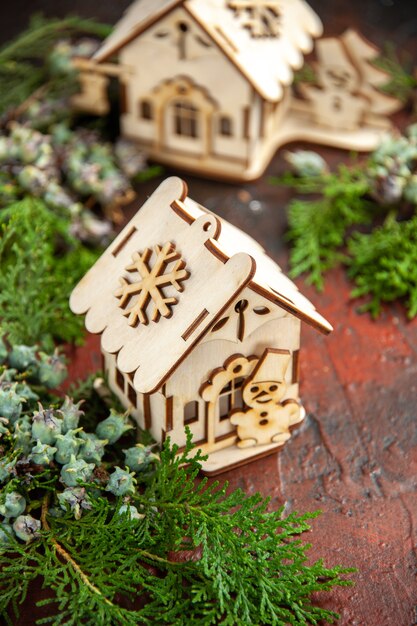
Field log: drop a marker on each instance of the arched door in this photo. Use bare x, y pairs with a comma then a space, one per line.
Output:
185, 111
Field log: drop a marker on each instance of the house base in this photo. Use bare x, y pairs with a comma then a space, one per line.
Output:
297, 126
233, 457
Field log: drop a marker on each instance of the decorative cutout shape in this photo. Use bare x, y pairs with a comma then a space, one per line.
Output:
235, 367
347, 95
147, 284
268, 419
261, 17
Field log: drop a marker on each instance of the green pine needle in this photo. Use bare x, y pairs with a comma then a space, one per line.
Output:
401, 82
383, 264
317, 228
40, 264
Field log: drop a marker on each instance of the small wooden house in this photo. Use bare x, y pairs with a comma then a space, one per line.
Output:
206, 83
198, 328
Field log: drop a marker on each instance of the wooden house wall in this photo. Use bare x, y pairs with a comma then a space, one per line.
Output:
186, 381
179, 403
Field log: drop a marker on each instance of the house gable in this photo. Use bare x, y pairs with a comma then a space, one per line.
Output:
137, 18
176, 49
166, 281
269, 281
266, 62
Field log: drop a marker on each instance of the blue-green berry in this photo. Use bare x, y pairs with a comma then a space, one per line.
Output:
26, 392
52, 370
76, 498
131, 511
42, 453
71, 414
139, 457
92, 449
26, 528
113, 427
10, 402
67, 445
76, 470
306, 163
46, 425
14, 505
121, 482
22, 357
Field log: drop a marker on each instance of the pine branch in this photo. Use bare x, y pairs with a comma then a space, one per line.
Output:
383, 264
401, 83
40, 264
318, 228
191, 555
22, 61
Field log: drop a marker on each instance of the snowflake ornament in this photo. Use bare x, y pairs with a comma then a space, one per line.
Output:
146, 284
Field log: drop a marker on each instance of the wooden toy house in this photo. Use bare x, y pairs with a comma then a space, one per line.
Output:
198, 327
206, 85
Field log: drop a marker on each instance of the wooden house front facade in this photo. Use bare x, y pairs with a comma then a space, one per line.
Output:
205, 84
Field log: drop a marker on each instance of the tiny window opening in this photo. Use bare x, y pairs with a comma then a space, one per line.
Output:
191, 412
146, 110
120, 380
231, 397
186, 119
226, 126
131, 394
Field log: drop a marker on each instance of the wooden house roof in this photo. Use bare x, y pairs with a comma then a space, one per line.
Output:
267, 62
213, 263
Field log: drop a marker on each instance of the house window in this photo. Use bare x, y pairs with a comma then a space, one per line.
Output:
120, 380
231, 397
185, 119
131, 394
191, 412
146, 110
225, 126
123, 97
246, 123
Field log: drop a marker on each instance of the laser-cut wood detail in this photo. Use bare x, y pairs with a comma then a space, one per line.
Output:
261, 17
346, 96
93, 93
121, 244
147, 416
193, 368
147, 282
195, 324
169, 414
267, 419
237, 366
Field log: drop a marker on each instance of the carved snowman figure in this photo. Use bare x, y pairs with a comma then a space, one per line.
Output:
336, 103
268, 418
